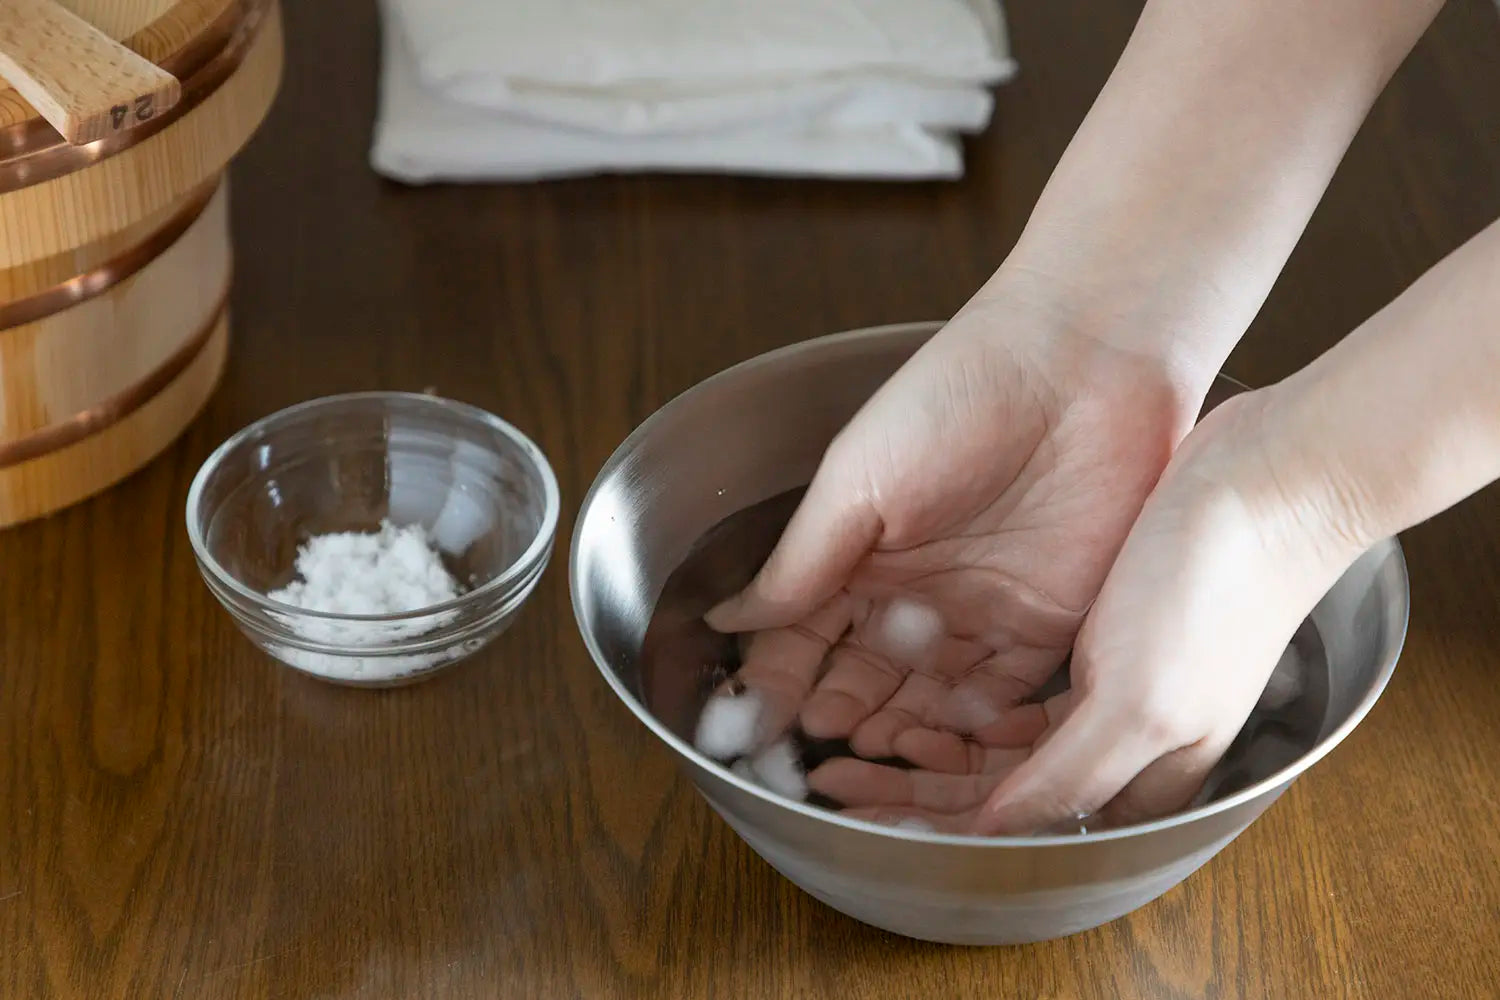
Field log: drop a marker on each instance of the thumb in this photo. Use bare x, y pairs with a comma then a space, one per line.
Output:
1095, 751
830, 532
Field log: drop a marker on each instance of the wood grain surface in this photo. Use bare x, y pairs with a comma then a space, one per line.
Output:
86, 84
40, 220
158, 30
179, 818
57, 366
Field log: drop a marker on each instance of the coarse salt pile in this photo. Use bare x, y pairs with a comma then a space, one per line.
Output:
393, 571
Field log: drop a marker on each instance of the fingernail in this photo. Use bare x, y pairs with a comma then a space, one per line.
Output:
721, 616
984, 822
995, 819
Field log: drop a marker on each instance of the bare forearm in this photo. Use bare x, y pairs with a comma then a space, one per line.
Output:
1400, 420
1184, 191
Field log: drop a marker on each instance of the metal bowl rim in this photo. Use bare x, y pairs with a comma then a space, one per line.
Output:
690, 753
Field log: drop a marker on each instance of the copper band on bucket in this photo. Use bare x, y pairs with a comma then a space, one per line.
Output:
112, 410
100, 279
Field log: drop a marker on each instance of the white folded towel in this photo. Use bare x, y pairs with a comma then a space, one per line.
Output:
510, 89
602, 43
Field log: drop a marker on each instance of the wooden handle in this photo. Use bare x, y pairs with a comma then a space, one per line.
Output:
83, 82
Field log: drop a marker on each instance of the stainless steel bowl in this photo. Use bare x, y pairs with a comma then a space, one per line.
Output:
757, 430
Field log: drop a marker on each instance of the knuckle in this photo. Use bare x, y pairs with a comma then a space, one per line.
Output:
1159, 714
1304, 504
1163, 726
1155, 706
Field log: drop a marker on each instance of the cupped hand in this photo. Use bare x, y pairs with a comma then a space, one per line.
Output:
1212, 581
955, 534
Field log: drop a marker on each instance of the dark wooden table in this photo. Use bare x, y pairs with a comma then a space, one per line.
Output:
180, 818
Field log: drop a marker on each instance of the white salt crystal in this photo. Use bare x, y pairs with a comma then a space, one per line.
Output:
729, 725
908, 630
779, 769
968, 710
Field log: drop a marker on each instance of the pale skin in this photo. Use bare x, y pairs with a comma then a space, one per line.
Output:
1033, 473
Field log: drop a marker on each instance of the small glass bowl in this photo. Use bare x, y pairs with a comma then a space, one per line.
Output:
482, 490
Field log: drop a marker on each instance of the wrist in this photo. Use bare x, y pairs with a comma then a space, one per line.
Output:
1064, 327
1179, 199
1279, 455
1152, 305
1399, 420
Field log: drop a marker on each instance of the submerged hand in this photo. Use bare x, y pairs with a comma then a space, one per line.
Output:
1212, 582
956, 532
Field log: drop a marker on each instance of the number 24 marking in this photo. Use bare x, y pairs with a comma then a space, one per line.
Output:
145, 107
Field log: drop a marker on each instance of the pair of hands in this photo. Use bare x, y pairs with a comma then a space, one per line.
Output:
1017, 492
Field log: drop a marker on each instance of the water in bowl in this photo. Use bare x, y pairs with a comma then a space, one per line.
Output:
682, 660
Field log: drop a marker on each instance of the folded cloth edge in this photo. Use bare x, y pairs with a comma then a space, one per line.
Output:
464, 52
419, 139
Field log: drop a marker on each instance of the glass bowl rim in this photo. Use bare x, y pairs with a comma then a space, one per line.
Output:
464, 413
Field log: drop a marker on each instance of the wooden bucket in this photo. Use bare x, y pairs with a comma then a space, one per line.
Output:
115, 256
